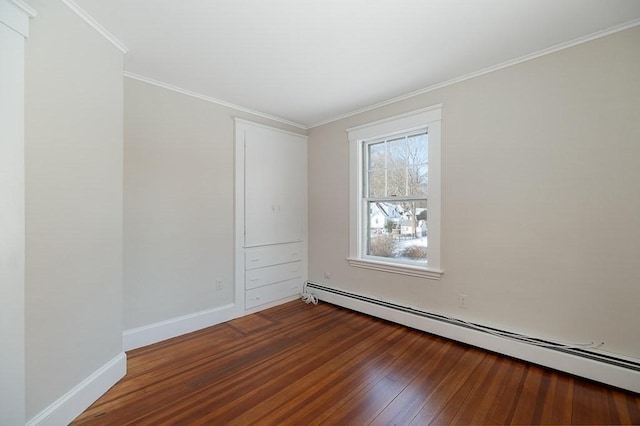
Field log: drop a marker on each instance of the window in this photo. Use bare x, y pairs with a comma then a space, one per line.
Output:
395, 194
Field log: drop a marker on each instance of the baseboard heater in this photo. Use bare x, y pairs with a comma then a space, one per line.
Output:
394, 312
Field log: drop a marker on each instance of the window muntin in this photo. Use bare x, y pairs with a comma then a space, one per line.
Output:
395, 197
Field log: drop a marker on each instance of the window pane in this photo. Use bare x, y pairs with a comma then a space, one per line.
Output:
397, 182
417, 149
398, 230
376, 155
418, 180
376, 183
397, 151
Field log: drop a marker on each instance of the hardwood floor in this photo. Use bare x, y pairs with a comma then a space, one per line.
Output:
302, 364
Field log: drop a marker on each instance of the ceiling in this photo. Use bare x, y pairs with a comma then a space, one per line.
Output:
311, 61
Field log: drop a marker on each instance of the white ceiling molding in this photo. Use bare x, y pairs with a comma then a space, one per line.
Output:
488, 70
212, 100
345, 58
31, 12
462, 78
16, 15
96, 25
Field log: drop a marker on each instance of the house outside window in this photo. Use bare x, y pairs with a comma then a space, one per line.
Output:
395, 194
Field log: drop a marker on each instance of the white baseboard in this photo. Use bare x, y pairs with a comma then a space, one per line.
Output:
163, 330
621, 377
73, 403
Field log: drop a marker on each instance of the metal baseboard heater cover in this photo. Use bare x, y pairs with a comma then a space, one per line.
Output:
604, 358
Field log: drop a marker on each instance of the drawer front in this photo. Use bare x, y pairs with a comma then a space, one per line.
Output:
261, 295
258, 257
272, 274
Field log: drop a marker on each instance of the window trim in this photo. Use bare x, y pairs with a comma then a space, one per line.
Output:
430, 118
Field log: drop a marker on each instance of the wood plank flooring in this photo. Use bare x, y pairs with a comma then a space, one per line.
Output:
301, 364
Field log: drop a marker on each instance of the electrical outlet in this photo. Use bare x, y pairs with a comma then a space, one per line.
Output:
462, 300
327, 275
219, 285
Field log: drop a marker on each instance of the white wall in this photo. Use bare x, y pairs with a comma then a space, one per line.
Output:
540, 204
74, 151
178, 204
14, 25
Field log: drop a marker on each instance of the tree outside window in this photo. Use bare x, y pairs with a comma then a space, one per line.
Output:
396, 185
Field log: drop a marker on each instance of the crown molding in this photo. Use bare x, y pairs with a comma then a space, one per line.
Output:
506, 64
28, 10
212, 100
96, 25
16, 14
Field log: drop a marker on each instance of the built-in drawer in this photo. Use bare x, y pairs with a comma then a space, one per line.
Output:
258, 257
270, 293
272, 274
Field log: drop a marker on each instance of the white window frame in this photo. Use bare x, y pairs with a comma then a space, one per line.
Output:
430, 118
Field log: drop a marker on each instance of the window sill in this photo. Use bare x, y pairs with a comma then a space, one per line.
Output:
395, 268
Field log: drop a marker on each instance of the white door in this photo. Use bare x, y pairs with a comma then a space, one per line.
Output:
275, 185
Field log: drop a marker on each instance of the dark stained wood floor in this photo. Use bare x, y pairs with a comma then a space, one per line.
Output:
304, 365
